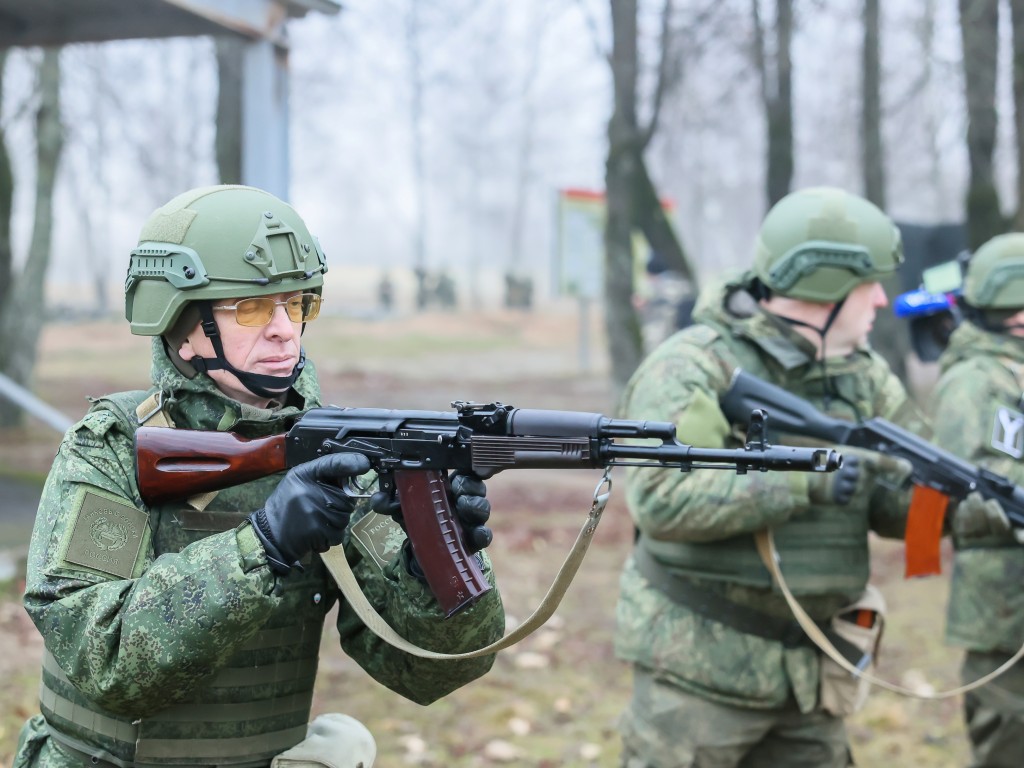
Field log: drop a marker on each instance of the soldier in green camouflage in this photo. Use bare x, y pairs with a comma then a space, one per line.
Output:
189, 633
979, 414
723, 675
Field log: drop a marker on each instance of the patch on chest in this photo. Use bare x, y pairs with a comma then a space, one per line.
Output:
1008, 432
107, 535
379, 536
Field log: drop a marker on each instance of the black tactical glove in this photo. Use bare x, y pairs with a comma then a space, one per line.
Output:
308, 510
861, 472
471, 510
836, 487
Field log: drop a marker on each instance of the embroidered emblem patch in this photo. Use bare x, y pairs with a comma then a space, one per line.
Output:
1008, 432
380, 537
107, 535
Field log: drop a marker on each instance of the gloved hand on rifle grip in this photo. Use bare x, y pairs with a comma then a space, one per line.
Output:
470, 506
862, 471
836, 487
979, 521
308, 511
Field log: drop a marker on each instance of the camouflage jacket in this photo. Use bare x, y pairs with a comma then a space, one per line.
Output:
136, 634
707, 518
977, 407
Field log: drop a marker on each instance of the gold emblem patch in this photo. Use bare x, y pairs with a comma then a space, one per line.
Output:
107, 535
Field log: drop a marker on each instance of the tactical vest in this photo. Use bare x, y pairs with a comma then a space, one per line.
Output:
825, 549
257, 706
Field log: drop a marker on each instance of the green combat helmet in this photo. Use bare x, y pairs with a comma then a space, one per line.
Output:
819, 244
211, 244
995, 274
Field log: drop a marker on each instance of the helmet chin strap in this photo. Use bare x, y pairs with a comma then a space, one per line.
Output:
832, 315
261, 385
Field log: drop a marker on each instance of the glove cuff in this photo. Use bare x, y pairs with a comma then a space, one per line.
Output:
275, 559
412, 565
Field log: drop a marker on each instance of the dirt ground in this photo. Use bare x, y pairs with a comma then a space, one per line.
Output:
553, 699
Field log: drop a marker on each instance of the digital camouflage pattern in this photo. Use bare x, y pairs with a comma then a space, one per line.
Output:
787, 737
700, 525
977, 415
199, 597
977, 406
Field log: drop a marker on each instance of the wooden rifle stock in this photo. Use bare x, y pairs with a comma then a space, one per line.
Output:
176, 464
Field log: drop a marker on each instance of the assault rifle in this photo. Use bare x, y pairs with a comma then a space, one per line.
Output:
933, 468
412, 451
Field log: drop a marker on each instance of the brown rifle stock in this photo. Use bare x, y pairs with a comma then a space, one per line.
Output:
177, 464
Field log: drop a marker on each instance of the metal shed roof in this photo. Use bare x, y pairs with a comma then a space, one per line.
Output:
59, 22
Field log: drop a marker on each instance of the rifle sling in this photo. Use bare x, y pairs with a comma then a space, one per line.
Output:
770, 556
337, 564
712, 604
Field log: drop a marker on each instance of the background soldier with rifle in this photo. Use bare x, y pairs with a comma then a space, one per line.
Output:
723, 675
978, 414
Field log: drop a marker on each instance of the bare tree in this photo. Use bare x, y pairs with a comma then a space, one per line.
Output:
1017, 21
890, 336
23, 312
774, 65
979, 29
414, 41
632, 199
6, 200
871, 107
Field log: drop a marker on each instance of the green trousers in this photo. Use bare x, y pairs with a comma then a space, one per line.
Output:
665, 727
994, 713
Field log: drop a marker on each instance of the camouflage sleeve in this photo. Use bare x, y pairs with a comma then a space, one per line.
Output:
894, 404
890, 497
987, 432
411, 610
681, 382
133, 632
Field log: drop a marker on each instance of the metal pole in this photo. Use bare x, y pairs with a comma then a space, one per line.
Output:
33, 405
584, 351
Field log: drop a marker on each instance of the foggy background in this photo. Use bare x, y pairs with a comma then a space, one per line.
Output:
515, 99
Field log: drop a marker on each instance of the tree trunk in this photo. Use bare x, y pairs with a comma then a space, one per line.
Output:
1017, 14
6, 200
871, 114
777, 94
414, 42
625, 344
24, 313
230, 55
890, 337
650, 218
979, 22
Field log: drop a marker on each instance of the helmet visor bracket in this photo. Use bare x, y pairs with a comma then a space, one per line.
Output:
277, 253
997, 290
810, 256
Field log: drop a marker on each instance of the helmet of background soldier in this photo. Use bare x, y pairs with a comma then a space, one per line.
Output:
995, 274
818, 244
211, 243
